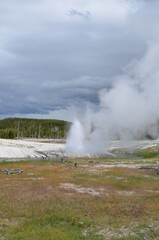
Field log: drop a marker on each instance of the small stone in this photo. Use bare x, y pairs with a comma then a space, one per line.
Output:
91, 161
81, 223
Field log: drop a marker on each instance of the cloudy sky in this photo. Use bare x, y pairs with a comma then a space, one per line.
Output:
55, 56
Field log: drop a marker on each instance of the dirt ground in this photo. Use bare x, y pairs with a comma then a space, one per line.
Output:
92, 199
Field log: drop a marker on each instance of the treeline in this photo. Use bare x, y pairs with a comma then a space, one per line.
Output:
11, 128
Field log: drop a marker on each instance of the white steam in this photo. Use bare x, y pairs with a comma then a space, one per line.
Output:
75, 142
127, 111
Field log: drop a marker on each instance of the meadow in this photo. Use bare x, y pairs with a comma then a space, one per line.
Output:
96, 200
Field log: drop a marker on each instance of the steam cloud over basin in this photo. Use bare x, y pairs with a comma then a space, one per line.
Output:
128, 111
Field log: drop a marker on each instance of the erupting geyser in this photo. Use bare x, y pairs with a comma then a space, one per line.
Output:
75, 141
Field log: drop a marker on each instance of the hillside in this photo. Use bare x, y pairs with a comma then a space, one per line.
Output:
11, 128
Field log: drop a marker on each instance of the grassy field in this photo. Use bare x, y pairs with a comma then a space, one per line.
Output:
99, 199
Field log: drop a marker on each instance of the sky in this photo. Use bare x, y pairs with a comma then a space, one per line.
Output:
57, 56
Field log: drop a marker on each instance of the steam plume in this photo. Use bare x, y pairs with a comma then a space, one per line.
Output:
127, 111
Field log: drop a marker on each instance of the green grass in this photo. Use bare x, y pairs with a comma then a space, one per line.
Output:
147, 154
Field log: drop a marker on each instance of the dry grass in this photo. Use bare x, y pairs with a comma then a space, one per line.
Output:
52, 200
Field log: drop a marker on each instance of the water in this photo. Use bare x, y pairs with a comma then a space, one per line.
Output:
75, 141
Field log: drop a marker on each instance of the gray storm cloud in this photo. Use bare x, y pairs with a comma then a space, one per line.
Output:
57, 56
74, 12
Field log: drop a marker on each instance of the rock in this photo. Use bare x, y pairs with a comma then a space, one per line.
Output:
91, 161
